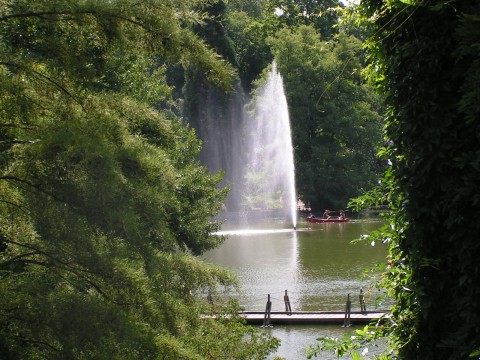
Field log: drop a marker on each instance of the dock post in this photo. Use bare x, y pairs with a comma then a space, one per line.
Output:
348, 310
268, 310
288, 307
361, 298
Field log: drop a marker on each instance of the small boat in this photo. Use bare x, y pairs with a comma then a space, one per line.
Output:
330, 219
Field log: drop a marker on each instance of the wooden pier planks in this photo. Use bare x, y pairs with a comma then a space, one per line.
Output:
311, 317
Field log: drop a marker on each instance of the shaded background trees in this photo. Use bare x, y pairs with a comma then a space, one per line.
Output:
334, 113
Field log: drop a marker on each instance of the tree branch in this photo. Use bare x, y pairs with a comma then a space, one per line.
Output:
41, 14
85, 12
65, 265
45, 77
21, 207
17, 141
35, 186
37, 342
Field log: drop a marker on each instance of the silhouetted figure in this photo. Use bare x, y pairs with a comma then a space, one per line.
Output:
288, 307
361, 298
348, 310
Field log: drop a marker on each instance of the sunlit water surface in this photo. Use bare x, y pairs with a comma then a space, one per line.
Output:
318, 266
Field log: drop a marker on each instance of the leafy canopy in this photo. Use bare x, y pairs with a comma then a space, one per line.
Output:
334, 114
102, 200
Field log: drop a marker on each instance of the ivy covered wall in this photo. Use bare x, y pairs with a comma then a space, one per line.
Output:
425, 58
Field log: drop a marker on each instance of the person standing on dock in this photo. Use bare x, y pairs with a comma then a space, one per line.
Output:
361, 298
288, 307
348, 311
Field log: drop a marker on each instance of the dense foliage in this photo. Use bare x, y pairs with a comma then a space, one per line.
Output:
102, 200
334, 114
321, 15
424, 57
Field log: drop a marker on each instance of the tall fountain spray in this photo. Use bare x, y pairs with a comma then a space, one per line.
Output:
270, 172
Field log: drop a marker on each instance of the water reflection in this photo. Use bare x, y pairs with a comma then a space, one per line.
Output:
318, 266
295, 339
249, 232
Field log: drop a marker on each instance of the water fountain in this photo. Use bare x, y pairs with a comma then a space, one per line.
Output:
318, 274
252, 145
270, 172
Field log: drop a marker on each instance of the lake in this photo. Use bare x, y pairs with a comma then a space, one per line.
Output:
316, 264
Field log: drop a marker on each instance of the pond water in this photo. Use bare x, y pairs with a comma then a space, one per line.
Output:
316, 264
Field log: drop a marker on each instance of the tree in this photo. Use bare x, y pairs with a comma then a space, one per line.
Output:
253, 8
102, 199
321, 15
249, 37
423, 58
334, 114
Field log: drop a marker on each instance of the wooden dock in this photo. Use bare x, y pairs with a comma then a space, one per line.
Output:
313, 317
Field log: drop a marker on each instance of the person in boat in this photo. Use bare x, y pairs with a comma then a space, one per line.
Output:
342, 214
326, 214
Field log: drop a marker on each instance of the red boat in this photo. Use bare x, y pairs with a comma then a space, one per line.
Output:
330, 219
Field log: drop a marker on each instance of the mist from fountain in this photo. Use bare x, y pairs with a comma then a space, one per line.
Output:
270, 172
